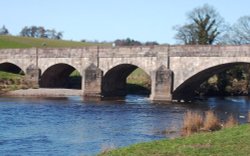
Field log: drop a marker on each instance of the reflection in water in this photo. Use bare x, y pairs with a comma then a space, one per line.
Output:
70, 126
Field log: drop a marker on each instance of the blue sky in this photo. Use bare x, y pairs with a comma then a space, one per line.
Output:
143, 20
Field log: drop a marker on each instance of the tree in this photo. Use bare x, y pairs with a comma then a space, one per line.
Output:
127, 42
204, 26
151, 43
186, 34
25, 32
51, 33
4, 31
33, 31
41, 32
239, 33
59, 35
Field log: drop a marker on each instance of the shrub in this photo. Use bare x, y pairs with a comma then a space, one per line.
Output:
192, 123
107, 148
248, 118
231, 122
211, 122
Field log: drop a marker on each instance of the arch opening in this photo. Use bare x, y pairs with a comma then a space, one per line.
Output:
222, 80
61, 76
11, 77
11, 68
126, 79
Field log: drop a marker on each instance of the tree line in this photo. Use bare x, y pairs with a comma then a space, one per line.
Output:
132, 42
36, 32
40, 32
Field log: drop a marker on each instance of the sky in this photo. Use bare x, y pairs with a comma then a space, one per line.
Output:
108, 20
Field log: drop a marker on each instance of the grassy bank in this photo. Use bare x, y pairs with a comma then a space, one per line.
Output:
9, 81
29, 42
231, 141
139, 77
138, 82
9, 76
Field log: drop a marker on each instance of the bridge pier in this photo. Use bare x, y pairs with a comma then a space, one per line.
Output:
162, 84
32, 76
92, 82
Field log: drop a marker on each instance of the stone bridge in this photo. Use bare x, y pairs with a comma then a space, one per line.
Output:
175, 71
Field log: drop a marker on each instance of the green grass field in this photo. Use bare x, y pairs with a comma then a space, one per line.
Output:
227, 142
28, 42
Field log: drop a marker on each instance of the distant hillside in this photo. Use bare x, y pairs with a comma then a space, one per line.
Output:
28, 42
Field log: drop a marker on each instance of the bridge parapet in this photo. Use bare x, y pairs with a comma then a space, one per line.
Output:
17, 53
138, 51
66, 52
209, 51
122, 52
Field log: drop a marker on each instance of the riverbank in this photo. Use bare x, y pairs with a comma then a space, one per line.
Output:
10, 81
231, 141
44, 92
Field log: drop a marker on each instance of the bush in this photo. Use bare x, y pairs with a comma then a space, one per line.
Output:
231, 122
192, 123
211, 122
248, 119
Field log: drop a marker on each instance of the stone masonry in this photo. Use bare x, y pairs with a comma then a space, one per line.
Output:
174, 70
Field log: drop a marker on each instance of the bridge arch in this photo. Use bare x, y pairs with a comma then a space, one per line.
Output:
114, 81
147, 64
11, 68
45, 64
186, 89
58, 76
186, 67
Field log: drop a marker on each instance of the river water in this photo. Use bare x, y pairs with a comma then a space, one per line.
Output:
70, 126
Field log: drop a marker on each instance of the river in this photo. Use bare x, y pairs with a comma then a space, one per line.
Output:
70, 126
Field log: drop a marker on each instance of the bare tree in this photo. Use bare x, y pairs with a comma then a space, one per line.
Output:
186, 34
204, 26
239, 33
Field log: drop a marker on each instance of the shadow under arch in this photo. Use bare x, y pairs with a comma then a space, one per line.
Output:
11, 68
59, 76
186, 91
114, 83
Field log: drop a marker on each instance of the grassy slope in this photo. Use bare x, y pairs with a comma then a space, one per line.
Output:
233, 141
8, 76
139, 77
28, 42
9, 81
